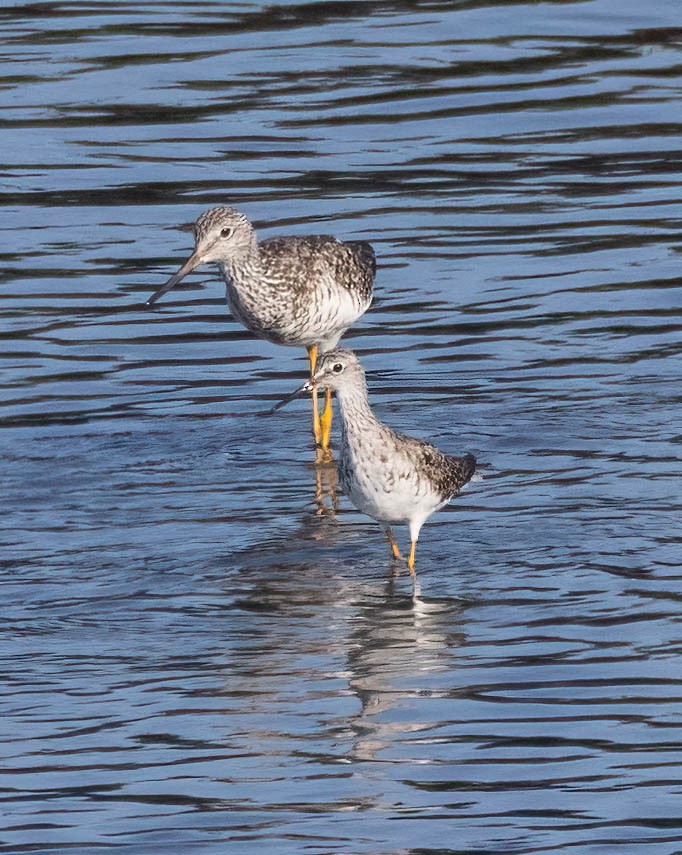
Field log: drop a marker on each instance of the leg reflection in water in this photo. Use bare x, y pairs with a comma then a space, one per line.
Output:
326, 483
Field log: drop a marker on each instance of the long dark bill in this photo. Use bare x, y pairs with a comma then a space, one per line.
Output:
306, 387
192, 262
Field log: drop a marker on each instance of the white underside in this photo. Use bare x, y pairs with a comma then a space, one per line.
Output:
344, 313
326, 320
393, 500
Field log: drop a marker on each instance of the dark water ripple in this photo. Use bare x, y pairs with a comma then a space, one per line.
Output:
195, 660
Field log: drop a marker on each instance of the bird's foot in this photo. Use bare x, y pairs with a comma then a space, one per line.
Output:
323, 456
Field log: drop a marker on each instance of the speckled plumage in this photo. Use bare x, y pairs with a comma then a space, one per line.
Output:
388, 475
291, 290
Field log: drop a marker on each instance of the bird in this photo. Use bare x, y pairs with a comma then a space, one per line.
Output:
390, 476
300, 291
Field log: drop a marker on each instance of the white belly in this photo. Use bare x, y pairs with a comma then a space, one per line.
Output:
388, 493
321, 319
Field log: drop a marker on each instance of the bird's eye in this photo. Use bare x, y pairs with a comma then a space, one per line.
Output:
337, 368
226, 232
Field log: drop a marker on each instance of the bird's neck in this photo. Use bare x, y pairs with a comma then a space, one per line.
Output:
356, 414
242, 268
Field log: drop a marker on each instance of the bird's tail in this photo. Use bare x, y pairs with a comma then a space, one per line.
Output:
469, 469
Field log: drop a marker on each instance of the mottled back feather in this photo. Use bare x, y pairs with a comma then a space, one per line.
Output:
446, 473
311, 258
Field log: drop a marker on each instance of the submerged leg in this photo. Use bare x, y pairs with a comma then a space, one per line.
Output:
317, 430
415, 528
416, 589
410, 559
326, 420
395, 551
326, 482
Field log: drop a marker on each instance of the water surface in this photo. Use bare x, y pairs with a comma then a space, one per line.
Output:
194, 658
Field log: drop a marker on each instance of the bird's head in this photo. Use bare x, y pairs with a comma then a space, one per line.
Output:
334, 370
219, 234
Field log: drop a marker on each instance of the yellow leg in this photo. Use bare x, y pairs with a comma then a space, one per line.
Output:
395, 551
317, 429
326, 420
312, 356
410, 559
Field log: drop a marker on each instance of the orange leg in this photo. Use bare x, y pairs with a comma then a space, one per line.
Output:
326, 421
395, 551
317, 430
322, 425
410, 560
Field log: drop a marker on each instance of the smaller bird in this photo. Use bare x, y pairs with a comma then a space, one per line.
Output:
300, 291
387, 475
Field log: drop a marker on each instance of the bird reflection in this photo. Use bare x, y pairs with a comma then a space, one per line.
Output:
315, 630
326, 483
397, 647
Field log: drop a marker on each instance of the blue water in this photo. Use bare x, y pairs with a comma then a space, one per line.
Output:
198, 656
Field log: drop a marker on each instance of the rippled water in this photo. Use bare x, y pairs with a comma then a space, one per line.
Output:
193, 658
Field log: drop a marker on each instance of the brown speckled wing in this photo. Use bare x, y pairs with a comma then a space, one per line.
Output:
447, 474
352, 265
459, 471
362, 267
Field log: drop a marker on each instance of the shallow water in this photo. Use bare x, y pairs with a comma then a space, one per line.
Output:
193, 657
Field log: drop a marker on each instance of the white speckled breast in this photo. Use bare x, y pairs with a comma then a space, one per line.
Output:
301, 291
